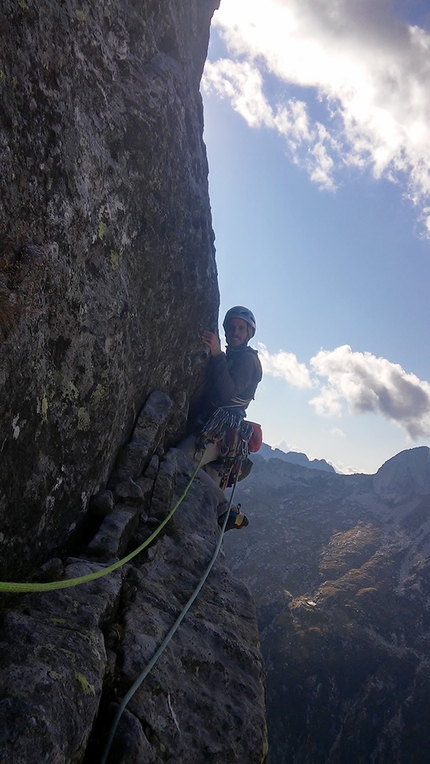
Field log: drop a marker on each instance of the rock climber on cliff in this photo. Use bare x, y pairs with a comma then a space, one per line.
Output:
222, 433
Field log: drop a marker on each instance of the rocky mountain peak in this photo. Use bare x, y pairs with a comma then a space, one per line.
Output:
404, 475
294, 457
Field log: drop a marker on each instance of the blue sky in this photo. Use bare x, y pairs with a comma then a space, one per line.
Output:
317, 127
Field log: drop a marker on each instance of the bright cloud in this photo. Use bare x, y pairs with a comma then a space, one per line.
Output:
337, 432
284, 365
243, 84
360, 381
369, 70
345, 469
370, 384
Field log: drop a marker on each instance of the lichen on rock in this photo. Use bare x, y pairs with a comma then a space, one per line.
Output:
107, 280
70, 655
107, 269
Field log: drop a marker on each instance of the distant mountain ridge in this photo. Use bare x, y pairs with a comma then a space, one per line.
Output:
295, 457
339, 568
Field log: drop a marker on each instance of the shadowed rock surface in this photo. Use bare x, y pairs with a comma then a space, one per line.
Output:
107, 270
340, 572
69, 656
107, 280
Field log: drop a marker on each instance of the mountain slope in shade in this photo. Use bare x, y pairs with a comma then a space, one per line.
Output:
339, 569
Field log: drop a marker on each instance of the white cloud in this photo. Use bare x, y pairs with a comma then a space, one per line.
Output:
369, 70
370, 384
284, 365
361, 382
345, 469
243, 84
337, 432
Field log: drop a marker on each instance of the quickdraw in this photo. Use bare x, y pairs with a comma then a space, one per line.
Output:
232, 433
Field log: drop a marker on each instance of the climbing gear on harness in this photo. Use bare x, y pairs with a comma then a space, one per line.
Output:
232, 434
245, 468
239, 311
236, 519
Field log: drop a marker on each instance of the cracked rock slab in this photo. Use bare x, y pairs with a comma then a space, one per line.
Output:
115, 532
54, 661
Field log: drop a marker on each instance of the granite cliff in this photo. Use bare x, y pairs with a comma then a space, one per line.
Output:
107, 265
107, 279
69, 656
339, 568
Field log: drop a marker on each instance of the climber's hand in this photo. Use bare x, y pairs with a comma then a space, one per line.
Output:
212, 341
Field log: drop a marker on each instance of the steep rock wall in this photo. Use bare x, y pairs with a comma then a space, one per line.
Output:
70, 655
107, 272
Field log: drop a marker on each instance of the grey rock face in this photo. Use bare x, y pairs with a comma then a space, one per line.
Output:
204, 699
107, 264
339, 566
405, 474
107, 279
102, 503
68, 655
53, 664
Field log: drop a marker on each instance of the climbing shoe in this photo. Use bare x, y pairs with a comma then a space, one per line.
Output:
236, 519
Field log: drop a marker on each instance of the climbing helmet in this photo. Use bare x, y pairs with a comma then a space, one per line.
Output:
239, 311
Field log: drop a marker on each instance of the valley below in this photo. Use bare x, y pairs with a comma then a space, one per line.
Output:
339, 569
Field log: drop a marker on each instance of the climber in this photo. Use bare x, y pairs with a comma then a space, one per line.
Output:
231, 381
233, 376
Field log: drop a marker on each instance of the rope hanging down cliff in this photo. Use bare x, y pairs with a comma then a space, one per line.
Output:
133, 689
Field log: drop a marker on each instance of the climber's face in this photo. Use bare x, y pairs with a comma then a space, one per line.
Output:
236, 332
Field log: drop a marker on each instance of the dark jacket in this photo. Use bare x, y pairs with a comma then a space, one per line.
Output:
232, 380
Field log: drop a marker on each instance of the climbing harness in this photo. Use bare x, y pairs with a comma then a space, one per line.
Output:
232, 434
19, 588
133, 689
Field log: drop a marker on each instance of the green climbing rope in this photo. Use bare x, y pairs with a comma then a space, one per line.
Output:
20, 588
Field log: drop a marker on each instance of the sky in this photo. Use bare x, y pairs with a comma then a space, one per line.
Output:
317, 128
